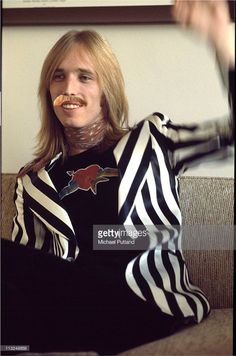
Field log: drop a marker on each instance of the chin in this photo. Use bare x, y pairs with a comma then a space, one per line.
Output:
74, 123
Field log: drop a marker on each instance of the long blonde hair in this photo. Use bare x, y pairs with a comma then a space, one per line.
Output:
50, 138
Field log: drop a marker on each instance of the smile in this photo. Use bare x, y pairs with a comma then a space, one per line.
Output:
67, 100
70, 106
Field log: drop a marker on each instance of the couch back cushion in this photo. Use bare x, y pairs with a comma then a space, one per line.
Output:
8, 208
204, 201
208, 231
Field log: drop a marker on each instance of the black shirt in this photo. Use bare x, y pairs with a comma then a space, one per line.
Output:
87, 184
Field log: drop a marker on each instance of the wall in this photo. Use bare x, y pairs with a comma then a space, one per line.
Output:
165, 69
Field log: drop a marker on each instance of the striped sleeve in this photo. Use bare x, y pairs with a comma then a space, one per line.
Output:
189, 145
40, 221
160, 276
27, 230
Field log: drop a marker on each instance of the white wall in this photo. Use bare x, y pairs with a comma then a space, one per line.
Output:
165, 68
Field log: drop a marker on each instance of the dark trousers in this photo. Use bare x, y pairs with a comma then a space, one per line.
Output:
53, 305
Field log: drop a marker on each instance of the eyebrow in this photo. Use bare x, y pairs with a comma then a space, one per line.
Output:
80, 70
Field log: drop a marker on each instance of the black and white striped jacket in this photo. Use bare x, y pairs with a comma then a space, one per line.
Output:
150, 159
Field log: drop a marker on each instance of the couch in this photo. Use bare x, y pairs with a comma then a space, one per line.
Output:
205, 202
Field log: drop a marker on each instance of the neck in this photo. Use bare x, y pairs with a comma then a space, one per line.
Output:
80, 139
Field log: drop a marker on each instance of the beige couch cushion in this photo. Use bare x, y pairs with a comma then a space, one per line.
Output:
7, 202
210, 201
214, 336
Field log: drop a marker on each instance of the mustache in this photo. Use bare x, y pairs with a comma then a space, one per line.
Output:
73, 99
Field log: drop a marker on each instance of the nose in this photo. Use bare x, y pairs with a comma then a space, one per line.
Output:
71, 85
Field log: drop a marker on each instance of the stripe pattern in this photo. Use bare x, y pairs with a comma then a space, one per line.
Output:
41, 221
149, 159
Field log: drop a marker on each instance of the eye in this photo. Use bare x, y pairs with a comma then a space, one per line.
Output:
57, 77
84, 78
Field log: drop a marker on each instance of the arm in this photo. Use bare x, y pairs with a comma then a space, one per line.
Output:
25, 229
22, 231
19, 233
191, 144
35, 226
211, 19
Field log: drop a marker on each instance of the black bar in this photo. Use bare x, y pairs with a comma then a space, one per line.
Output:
87, 15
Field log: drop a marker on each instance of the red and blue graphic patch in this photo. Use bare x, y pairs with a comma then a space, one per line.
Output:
87, 179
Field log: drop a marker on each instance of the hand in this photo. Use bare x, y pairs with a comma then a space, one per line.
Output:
210, 18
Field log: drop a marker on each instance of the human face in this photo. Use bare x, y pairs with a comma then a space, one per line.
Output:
76, 76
